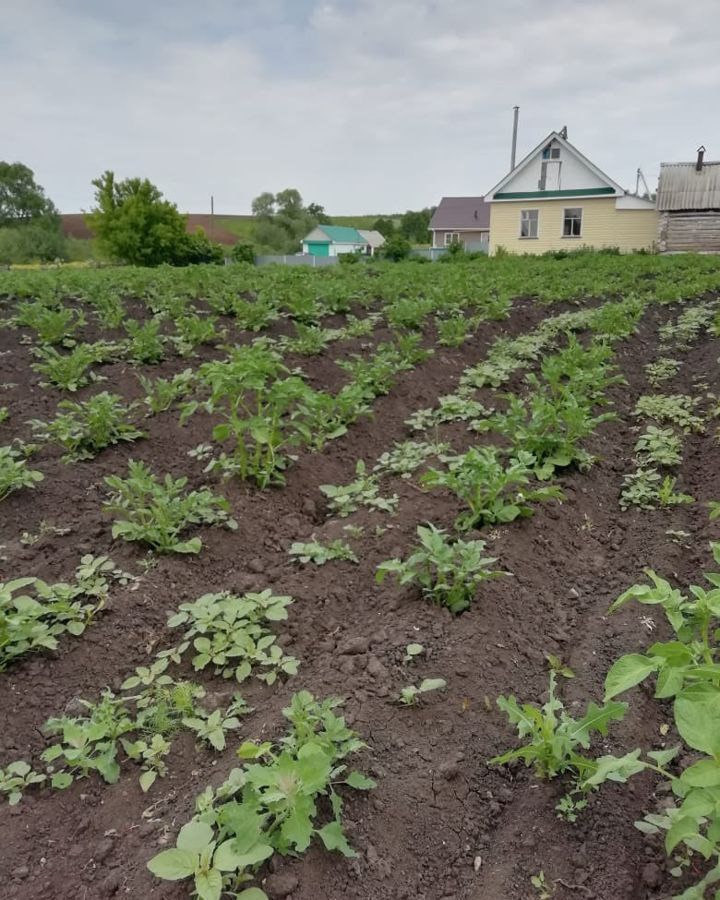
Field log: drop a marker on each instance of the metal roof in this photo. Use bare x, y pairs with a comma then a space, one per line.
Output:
342, 234
681, 186
374, 238
461, 212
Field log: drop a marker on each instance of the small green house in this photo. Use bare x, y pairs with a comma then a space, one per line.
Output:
333, 240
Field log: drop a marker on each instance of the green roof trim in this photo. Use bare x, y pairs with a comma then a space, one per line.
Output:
538, 195
342, 234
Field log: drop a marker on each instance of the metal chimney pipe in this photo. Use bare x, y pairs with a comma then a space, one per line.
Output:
699, 163
516, 113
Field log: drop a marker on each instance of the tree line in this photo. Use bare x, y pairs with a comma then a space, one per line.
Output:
132, 222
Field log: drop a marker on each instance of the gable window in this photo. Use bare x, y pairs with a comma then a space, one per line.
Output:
572, 222
551, 152
528, 223
452, 237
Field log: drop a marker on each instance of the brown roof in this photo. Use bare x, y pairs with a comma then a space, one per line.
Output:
461, 212
73, 225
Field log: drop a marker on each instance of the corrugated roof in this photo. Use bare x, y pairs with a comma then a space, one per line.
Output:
461, 212
681, 186
342, 234
374, 238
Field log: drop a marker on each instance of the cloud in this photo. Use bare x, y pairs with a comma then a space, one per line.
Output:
364, 106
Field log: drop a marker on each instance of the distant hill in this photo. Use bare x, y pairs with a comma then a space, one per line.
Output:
226, 230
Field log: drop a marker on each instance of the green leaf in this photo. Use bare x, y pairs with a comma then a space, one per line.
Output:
147, 779
195, 837
626, 672
172, 865
360, 782
703, 774
228, 859
333, 838
209, 884
697, 717
194, 545
252, 894
61, 780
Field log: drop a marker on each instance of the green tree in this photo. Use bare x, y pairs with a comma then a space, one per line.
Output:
289, 203
22, 200
263, 206
414, 225
317, 212
385, 226
134, 224
29, 221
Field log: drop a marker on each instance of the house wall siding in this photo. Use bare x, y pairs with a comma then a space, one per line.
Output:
603, 226
469, 238
689, 231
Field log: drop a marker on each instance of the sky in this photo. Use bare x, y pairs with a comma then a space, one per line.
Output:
364, 106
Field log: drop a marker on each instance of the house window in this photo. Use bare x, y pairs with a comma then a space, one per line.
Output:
528, 223
452, 237
551, 153
572, 222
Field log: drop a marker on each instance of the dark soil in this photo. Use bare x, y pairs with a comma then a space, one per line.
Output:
442, 824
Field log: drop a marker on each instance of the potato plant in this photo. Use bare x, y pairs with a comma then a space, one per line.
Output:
15, 473
493, 491
156, 511
84, 429
447, 571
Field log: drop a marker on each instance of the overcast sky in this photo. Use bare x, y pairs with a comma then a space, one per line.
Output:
365, 106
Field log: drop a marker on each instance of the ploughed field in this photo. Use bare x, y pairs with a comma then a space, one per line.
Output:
334, 584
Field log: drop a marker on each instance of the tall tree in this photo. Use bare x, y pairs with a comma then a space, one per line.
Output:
385, 226
263, 206
134, 224
22, 200
289, 203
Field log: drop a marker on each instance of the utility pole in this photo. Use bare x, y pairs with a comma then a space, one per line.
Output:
212, 217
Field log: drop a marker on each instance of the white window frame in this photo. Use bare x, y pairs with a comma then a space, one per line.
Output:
536, 219
572, 237
452, 237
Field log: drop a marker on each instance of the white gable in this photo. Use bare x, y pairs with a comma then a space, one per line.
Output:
555, 165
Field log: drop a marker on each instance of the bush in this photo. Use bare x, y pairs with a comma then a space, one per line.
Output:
243, 253
348, 259
396, 248
34, 242
193, 249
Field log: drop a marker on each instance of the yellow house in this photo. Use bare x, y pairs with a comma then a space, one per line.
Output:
556, 199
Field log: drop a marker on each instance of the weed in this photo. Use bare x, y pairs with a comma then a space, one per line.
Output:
663, 369
33, 614
678, 409
363, 491
268, 806
231, 633
412, 651
412, 694
319, 554
659, 447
